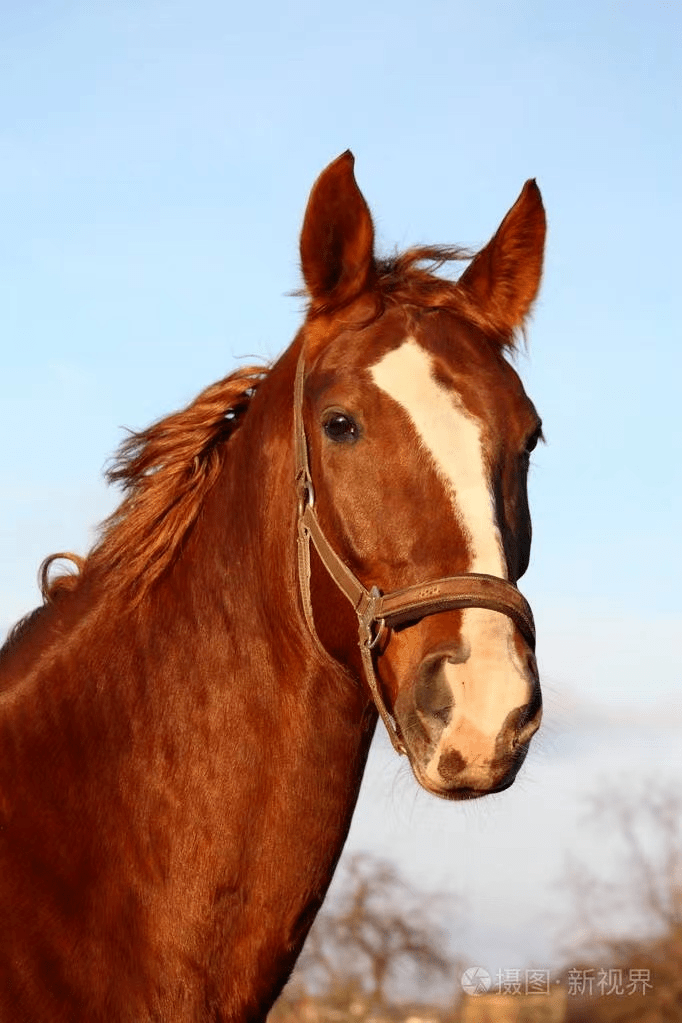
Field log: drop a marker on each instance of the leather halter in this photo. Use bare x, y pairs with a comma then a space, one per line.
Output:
376, 610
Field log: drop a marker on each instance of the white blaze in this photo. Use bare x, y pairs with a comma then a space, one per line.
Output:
492, 681
453, 438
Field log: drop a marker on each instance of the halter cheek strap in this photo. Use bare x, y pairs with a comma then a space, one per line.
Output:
375, 610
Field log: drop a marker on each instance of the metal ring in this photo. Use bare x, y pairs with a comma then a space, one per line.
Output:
380, 632
306, 493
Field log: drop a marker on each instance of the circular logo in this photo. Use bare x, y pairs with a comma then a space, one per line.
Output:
475, 980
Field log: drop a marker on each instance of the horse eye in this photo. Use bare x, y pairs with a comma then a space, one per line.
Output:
341, 428
532, 441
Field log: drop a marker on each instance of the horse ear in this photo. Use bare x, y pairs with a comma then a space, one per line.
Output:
337, 240
504, 277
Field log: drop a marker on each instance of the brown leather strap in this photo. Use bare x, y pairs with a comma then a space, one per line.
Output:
458, 591
304, 482
365, 601
400, 607
309, 529
337, 569
414, 602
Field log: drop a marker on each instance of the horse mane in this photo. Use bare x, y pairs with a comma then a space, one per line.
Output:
165, 471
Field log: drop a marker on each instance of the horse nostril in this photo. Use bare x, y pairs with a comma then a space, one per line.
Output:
432, 694
532, 710
525, 722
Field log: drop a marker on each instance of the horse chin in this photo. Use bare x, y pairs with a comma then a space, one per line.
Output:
447, 766
473, 784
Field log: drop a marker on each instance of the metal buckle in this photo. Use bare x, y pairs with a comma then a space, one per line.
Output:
368, 620
306, 491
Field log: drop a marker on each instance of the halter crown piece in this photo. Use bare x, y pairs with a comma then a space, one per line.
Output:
376, 610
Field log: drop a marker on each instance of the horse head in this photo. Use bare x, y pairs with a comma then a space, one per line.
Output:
416, 436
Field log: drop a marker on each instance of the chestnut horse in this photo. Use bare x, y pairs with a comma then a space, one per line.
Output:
185, 721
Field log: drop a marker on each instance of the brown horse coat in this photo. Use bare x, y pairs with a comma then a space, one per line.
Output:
179, 757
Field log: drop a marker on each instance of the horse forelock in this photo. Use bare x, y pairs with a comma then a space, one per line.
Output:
409, 279
166, 472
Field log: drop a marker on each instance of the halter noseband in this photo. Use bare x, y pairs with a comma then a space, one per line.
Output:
388, 609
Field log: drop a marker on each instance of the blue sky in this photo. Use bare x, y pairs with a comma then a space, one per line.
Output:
157, 156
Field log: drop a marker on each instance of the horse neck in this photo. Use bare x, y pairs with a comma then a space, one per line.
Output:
225, 631
289, 730
218, 755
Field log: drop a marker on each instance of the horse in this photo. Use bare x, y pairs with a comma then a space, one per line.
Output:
304, 549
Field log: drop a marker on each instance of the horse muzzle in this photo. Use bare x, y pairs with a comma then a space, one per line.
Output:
469, 714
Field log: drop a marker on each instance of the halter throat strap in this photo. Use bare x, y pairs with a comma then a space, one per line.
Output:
376, 611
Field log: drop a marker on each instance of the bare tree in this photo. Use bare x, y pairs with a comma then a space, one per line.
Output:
630, 922
376, 930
